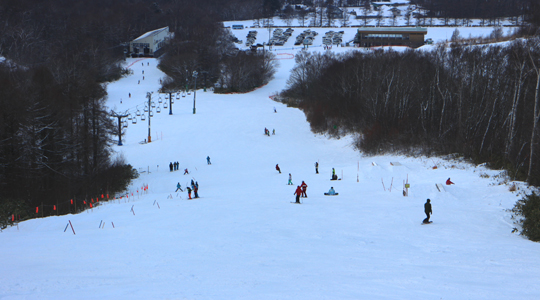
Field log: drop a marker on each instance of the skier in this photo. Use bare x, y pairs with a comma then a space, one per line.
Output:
316, 167
143, 72
448, 181
290, 180
171, 166
186, 171
192, 184
189, 192
273, 132
208, 160
298, 193
196, 190
427, 210
275, 110
278, 169
304, 188
129, 95
178, 187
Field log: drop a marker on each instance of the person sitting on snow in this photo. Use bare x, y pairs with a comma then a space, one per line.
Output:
448, 181
331, 191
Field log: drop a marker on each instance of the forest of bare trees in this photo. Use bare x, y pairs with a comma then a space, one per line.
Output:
480, 102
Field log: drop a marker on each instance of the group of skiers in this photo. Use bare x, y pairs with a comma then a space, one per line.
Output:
267, 132
300, 191
194, 187
174, 166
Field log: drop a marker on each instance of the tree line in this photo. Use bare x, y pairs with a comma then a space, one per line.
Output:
482, 102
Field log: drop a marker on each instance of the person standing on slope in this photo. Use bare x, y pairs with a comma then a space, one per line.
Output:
427, 210
189, 192
208, 160
170, 166
290, 180
278, 169
304, 188
178, 187
298, 193
316, 167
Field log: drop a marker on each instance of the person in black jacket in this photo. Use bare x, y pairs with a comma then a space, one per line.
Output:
427, 210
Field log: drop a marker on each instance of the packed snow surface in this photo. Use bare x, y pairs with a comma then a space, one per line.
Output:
243, 239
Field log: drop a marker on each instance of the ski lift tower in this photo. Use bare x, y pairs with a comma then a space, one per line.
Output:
195, 73
119, 125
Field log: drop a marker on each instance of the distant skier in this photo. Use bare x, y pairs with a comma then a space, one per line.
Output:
275, 110
171, 166
290, 180
427, 210
298, 193
273, 132
179, 187
304, 188
208, 160
448, 181
278, 169
186, 171
316, 167
188, 192
196, 191
129, 95
192, 184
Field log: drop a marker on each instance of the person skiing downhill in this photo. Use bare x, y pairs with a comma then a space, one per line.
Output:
304, 188
290, 180
427, 210
178, 187
278, 169
298, 193
208, 160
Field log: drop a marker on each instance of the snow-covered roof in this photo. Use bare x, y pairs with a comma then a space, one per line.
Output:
153, 32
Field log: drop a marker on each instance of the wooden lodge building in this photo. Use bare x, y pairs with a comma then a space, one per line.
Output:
390, 36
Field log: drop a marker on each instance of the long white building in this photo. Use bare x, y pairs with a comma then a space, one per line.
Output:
150, 43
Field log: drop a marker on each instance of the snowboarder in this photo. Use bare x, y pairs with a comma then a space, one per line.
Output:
178, 187
304, 188
448, 181
331, 191
171, 166
316, 167
334, 176
189, 192
298, 193
278, 169
427, 210
290, 180
186, 171
208, 160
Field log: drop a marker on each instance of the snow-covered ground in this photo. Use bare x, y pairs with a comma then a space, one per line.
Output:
243, 239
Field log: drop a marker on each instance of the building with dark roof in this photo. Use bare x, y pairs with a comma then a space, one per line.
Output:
390, 36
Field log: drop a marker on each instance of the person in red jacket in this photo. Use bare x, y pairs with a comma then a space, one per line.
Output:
448, 181
298, 193
278, 169
304, 188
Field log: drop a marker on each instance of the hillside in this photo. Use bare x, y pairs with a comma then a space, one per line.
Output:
243, 239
